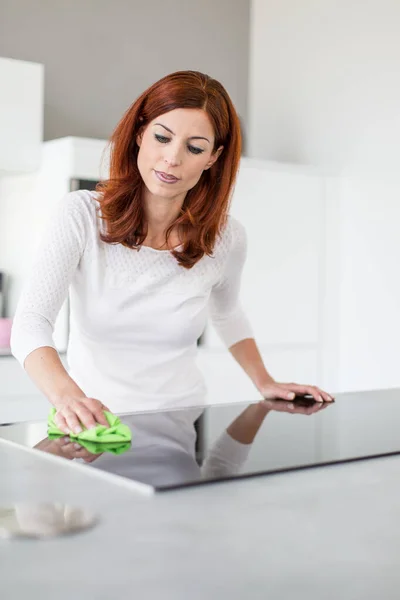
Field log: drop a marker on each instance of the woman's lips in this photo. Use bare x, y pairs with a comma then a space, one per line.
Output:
165, 178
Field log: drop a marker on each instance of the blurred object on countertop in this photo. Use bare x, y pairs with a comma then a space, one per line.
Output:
2, 294
5, 334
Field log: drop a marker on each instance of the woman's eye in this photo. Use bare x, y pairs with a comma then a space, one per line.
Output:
161, 138
195, 150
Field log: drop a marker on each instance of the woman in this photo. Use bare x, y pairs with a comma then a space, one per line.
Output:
146, 257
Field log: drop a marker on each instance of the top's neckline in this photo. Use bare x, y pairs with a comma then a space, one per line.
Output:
160, 251
179, 247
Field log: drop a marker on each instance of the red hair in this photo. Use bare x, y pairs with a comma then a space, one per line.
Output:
206, 206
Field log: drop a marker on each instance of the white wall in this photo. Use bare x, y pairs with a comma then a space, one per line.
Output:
100, 55
324, 84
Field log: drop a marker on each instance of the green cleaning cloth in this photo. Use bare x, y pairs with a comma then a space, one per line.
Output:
115, 439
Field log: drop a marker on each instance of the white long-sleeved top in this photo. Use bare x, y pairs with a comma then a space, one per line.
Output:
135, 316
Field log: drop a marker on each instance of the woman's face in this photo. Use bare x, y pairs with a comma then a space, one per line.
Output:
174, 150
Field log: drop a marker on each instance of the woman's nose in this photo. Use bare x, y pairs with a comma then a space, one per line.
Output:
173, 157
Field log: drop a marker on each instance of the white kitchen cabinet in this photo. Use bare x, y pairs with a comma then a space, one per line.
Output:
14, 380
21, 115
368, 294
34, 197
282, 211
20, 400
227, 382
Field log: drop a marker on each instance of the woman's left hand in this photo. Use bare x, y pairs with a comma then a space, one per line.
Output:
277, 397
287, 391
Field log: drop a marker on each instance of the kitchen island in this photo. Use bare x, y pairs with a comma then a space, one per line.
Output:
323, 532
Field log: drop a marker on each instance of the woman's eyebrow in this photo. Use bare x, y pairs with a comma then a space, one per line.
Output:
193, 137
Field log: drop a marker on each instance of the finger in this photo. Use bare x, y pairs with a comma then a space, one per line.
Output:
64, 441
280, 392
67, 451
327, 397
325, 405
90, 459
85, 416
100, 416
280, 405
314, 408
68, 455
303, 410
79, 451
61, 423
290, 407
315, 390
306, 389
68, 447
82, 453
97, 410
307, 410
72, 421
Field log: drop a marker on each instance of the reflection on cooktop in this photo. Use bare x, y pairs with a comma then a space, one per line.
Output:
198, 445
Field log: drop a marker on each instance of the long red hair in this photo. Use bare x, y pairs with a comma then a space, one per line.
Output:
206, 206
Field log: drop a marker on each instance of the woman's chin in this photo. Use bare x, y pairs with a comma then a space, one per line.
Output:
163, 191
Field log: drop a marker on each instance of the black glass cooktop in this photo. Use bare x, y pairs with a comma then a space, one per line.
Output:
192, 446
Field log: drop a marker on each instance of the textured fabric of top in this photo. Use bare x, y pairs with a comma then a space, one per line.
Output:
135, 315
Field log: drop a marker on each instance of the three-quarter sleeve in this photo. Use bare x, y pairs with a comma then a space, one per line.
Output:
227, 316
47, 286
225, 458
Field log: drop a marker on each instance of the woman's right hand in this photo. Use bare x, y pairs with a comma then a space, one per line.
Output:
66, 448
74, 411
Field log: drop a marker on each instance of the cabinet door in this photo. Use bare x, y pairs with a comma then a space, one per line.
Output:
20, 400
14, 380
21, 115
227, 382
369, 284
283, 214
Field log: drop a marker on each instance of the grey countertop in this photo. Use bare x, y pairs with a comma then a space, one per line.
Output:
318, 533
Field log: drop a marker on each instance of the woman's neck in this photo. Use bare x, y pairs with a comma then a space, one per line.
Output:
160, 214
